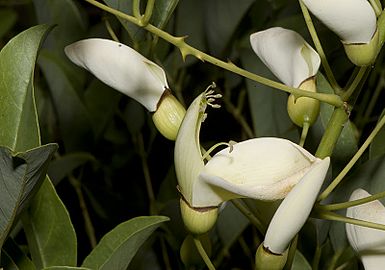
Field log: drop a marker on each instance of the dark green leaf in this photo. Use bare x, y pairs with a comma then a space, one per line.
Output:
116, 249
50, 234
377, 148
21, 175
69, 20
8, 18
18, 111
300, 262
65, 268
70, 108
163, 10
222, 19
14, 258
267, 105
62, 166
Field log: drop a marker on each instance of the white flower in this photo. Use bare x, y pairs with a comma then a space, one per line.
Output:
122, 68
261, 168
127, 71
354, 21
286, 54
367, 242
294, 210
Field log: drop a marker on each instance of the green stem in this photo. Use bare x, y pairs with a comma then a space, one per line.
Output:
247, 213
305, 130
186, 49
318, 46
332, 133
344, 205
110, 30
316, 257
335, 217
376, 5
148, 12
352, 87
203, 253
354, 159
136, 9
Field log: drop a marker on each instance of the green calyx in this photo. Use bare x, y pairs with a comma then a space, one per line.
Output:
363, 54
265, 260
168, 116
304, 110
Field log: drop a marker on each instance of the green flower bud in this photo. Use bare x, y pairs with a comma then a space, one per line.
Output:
266, 260
189, 253
363, 54
198, 220
168, 115
304, 110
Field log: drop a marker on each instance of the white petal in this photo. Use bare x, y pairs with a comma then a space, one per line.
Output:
368, 243
187, 153
294, 210
286, 54
354, 21
261, 168
122, 68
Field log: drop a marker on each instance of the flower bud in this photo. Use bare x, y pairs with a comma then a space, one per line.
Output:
266, 260
363, 54
198, 220
168, 116
304, 110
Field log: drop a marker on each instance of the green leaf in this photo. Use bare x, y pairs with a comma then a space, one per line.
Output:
8, 18
71, 111
377, 147
162, 12
70, 22
18, 111
62, 166
300, 262
14, 258
50, 234
346, 145
116, 249
267, 105
21, 175
219, 27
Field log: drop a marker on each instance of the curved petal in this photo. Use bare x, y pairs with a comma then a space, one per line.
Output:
187, 154
294, 210
368, 243
122, 68
354, 21
261, 168
286, 54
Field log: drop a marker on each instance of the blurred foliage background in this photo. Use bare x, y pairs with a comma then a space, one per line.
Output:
109, 150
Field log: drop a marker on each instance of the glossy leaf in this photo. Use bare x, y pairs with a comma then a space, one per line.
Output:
14, 258
17, 64
163, 9
116, 249
51, 237
300, 262
21, 175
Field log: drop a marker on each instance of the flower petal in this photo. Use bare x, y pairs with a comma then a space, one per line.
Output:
368, 243
354, 21
286, 54
122, 68
294, 210
261, 168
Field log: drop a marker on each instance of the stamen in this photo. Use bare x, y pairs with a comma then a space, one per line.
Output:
230, 144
